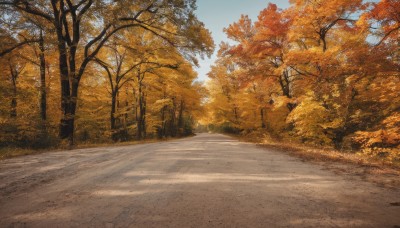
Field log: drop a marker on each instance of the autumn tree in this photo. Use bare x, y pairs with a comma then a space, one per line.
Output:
326, 61
118, 74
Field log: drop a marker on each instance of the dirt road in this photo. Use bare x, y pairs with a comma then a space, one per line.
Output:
206, 181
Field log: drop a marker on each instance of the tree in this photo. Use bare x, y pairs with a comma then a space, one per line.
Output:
16, 68
118, 74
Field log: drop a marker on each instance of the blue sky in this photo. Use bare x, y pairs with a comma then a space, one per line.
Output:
219, 14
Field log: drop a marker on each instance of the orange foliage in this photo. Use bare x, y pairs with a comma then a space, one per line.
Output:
311, 73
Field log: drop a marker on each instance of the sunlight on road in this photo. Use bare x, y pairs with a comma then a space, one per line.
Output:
113, 192
215, 177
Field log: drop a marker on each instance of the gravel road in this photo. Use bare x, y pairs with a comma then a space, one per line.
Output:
209, 180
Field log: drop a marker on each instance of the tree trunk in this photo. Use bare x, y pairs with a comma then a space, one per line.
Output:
118, 117
172, 128
113, 110
325, 45
73, 105
164, 122
68, 107
135, 108
13, 112
43, 93
67, 119
141, 111
126, 108
262, 118
144, 116
68, 74
180, 118
14, 76
285, 83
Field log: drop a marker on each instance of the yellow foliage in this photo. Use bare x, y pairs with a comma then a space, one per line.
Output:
310, 121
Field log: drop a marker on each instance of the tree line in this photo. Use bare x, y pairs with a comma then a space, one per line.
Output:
319, 72
91, 70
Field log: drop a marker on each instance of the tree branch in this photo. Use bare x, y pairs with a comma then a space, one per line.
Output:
8, 50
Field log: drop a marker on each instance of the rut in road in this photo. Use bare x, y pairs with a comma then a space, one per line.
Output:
209, 180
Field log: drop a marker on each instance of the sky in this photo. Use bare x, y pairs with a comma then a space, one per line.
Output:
219, 14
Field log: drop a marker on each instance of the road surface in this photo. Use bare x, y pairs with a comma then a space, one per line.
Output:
209, 180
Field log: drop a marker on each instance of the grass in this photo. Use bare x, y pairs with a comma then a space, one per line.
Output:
11, 152
329, 154
321, 153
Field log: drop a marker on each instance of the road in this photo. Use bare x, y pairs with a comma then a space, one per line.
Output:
209, 180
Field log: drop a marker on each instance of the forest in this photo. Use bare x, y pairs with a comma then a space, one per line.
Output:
92, 71
320, 73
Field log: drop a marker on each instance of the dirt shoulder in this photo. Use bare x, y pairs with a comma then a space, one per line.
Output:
380, 172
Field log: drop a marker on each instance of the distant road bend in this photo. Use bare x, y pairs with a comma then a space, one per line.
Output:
209, 180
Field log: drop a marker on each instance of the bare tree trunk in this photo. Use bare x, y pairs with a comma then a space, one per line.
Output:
285, 84
172, 126
66, 122
262, 118
113, 110
180, 118
125, 121
136, 104
43, 93
164, 122
13, 112
140, 118
144, 116
14, 76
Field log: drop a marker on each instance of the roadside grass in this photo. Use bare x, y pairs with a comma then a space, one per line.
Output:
329, 154
323, 154
381, 171
11, 152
